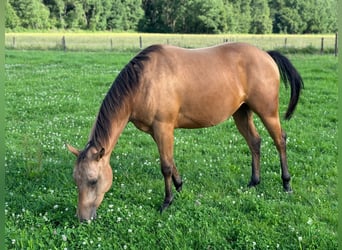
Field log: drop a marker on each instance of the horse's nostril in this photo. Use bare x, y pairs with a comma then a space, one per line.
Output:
82, 220
92, 182
93, 216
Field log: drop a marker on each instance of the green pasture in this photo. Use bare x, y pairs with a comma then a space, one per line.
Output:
52, 97
108, 41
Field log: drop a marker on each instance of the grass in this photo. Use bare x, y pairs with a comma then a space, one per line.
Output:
53, 97
101, 41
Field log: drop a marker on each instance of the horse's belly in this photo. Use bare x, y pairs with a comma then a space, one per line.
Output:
205, 115
195, 122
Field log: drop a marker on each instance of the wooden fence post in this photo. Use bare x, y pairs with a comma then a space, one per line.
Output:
64, 43
285, 43
140, 42
322, 45
13, 42
336, 47
111, 44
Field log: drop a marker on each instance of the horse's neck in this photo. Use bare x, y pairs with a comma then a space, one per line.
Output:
117, 124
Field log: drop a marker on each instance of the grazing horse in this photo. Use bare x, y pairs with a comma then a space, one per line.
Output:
166, 87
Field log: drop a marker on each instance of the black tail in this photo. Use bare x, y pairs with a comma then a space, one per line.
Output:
288, 74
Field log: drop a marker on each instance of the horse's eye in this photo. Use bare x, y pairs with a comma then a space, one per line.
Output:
92, 183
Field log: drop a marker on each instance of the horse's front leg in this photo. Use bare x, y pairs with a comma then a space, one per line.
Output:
163, 136
166, 169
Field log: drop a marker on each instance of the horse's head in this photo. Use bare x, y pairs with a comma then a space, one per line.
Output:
93, 177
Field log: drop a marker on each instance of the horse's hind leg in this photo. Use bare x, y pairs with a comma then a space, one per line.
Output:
243, 118
163, 136
272, 123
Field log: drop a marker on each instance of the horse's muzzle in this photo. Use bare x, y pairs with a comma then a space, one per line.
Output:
87, 218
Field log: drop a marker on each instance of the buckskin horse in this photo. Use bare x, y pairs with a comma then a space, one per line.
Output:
166, 87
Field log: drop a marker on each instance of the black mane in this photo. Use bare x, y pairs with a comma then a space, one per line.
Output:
124, 85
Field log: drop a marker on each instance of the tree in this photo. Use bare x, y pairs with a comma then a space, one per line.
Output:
241, 16
171, 14
153, 20
320, 16
213, 17
12, 21
33, 14
260, 15
92, 12
201, 16
132, 14
104, 15
56, 9
181, 16
74, 15
125, 15
303, 16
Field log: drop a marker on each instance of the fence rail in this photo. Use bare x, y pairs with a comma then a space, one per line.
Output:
122, 41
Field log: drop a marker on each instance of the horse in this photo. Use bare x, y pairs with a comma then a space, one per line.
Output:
166, 87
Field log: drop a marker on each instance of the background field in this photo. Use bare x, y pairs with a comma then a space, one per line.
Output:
53, 97
107, 41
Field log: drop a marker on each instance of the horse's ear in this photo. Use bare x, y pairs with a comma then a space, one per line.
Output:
73, 150
100, 154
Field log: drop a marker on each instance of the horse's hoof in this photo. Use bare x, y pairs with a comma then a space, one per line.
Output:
179, 187
165, 205
253, 183
287, 188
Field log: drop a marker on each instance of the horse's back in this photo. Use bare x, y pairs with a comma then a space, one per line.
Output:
225, 66
203, 87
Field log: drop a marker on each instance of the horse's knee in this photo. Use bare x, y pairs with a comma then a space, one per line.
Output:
256, 145
166, 170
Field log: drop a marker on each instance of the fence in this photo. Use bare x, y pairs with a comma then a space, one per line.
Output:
123, 41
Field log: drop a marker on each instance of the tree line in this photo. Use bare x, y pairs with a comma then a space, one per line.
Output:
176, 16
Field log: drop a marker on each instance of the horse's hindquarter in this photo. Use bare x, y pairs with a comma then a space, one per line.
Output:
196, 88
